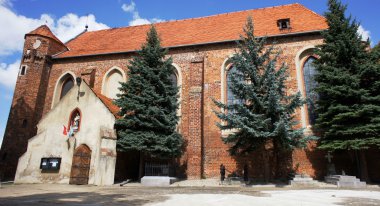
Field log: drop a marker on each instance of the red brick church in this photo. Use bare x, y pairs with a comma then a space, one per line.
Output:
48, 96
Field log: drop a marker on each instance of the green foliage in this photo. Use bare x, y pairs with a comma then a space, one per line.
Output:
266, 111
149, 103
348, 85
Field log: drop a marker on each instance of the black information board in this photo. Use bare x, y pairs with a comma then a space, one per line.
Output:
50, 163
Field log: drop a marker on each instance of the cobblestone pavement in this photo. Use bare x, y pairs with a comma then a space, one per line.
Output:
135, 194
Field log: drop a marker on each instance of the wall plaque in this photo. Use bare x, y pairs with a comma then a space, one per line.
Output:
50, 163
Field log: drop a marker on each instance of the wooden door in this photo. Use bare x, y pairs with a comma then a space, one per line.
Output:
80, 168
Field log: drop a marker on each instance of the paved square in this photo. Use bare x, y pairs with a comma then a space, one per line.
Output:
52, 194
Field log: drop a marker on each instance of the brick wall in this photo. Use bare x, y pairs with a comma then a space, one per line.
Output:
201, 81
28, 102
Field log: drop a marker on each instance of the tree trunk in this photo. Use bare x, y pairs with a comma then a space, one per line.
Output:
141, 165
265, 164
357, 163
276, 154
363, 167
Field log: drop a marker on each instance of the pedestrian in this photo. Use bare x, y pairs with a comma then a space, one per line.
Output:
222, 173
245, 171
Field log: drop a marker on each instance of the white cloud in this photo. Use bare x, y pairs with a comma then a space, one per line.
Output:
137, 20
71, 25
65, 28
364, 33
15, 26
5, 3
129, 8
8, 74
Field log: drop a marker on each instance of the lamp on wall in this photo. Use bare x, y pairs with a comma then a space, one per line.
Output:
79, 82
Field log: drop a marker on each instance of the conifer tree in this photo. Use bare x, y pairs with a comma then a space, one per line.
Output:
149, 103
348, 106
265, 111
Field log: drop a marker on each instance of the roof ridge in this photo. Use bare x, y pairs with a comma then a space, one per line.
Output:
102, 98
202, 17
315, 13
49, 34
76, 36
198, 31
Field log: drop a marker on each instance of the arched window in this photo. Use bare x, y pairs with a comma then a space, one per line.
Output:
231, 98
112, 83
64, 83
74, 122
67, 85
309, 72
24, 123
174, 79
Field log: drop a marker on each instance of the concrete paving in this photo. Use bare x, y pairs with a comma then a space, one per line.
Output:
283, 198
135, 194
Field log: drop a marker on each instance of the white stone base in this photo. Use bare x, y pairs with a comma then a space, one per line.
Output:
157, 181
345, 181
303, 181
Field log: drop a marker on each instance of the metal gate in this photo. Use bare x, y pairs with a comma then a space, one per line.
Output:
80, 168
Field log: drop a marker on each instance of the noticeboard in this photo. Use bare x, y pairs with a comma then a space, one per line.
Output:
50, 163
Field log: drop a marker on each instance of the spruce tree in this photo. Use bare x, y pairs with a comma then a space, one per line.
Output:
348, 106
148, 104
265, 112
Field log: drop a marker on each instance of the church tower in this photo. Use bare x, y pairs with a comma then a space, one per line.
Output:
29, 96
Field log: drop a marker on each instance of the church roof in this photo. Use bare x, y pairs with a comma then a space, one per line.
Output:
44, 30
109, 104
194, 31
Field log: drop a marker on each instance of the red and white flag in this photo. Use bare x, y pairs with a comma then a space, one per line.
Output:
64, 130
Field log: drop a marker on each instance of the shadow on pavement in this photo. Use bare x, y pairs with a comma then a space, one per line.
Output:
80, 199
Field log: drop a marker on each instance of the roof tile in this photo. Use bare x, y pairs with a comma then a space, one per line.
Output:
109, 104
44, 30
216, 28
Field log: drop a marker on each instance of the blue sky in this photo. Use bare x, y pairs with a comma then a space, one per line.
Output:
68, 17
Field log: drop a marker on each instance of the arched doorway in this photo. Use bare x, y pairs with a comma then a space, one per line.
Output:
80, 168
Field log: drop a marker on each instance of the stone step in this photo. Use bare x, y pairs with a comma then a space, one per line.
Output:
306, 183
342, 177
331, 180
345, 181
303, 179
156, 181
352, 184
301, 176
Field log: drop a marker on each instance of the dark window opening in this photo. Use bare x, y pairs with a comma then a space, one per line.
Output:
309, 73
23, 70
66, 86
283, 24
24, 123
4, 156
231, 98
173, 79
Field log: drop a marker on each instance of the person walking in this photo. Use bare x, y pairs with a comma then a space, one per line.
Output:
245, 173
222, 173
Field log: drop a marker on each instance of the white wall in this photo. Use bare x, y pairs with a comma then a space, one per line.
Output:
50, 141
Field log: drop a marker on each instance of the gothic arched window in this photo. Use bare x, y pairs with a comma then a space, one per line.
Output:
231, 98
112, 83
67, 85
309, 73
174, 79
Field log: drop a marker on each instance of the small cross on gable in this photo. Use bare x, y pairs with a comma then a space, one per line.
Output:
329, 157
